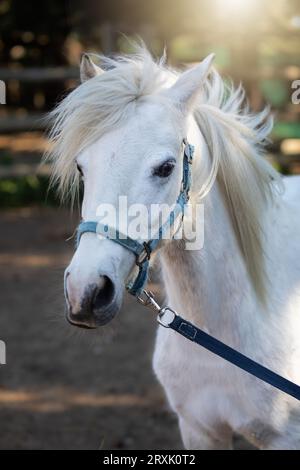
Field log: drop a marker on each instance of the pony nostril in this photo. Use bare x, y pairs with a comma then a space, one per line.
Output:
104, 295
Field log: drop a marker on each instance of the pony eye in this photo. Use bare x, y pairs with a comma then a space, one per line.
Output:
164, 170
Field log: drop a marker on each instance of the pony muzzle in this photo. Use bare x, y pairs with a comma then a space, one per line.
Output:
96, 306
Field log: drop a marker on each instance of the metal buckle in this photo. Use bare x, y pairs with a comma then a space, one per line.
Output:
144, 256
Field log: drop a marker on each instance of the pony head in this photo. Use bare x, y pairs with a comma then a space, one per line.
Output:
121, 132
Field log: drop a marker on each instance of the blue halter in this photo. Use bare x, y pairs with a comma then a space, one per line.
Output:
143, 250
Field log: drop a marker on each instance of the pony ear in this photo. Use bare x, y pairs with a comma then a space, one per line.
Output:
189, 84
88, 69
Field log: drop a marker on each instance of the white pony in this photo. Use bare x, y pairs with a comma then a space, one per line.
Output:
121, 128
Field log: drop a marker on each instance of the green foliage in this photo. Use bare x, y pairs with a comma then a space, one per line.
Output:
27, 190
275, 92
286, 130
6, 159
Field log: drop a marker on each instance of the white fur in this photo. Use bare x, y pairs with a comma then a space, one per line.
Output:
243, 287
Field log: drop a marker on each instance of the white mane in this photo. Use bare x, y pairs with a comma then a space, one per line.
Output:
233, 136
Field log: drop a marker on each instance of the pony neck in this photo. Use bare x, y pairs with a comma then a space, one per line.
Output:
207, 284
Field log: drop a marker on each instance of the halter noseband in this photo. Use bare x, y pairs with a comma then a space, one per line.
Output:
143, 250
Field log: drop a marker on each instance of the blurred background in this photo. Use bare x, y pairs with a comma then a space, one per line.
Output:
59, 389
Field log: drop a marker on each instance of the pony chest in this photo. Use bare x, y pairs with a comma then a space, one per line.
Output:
187, 371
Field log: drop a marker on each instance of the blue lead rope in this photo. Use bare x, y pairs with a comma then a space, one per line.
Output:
191, 332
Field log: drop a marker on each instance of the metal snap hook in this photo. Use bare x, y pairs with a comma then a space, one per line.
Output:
147, 299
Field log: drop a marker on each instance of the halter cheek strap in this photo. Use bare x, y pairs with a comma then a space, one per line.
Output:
143, 250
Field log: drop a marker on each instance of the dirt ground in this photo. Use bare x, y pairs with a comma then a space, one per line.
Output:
63, 388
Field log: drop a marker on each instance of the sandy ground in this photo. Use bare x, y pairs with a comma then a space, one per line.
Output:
63, 388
